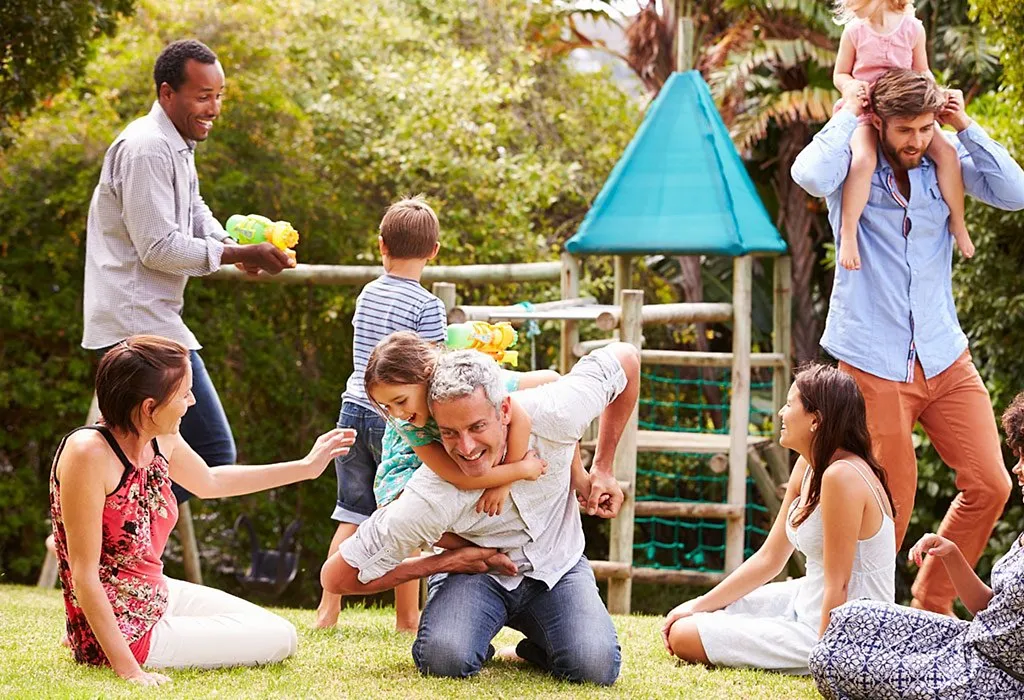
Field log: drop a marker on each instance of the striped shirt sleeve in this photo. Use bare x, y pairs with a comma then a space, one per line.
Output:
432, 323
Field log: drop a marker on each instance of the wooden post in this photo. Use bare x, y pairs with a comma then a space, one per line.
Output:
684, 44
189, 548
621, 539
445, 291
570, 334
782, 321
739, 407
623, 267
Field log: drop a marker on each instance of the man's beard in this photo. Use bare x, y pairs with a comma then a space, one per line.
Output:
895, 157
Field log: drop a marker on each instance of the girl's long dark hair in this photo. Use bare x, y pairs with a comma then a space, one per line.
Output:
842, 425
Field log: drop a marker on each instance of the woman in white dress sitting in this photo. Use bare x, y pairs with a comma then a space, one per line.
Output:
837, 511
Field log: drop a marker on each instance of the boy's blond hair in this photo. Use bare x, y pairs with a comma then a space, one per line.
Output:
410, 229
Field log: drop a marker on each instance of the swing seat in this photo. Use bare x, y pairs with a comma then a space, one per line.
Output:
270, 570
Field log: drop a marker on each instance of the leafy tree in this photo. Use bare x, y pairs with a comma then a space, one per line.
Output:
45, 44
333, 110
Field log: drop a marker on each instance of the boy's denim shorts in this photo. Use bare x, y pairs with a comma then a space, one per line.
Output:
357, 469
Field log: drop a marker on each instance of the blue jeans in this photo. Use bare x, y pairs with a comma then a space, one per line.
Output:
205, 425
568, 630
357, 469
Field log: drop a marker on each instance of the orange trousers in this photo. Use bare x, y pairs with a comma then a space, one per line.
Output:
955, 410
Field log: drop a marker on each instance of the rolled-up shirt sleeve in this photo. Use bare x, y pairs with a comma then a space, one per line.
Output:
562, 411
149, 216
393, 533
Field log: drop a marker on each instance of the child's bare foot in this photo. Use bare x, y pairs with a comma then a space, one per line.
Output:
849, 255
327, 616
65, 642
508, 654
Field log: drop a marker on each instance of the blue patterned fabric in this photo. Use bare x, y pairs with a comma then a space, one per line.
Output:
878, 651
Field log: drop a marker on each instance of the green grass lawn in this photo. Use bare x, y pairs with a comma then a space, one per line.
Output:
364, 658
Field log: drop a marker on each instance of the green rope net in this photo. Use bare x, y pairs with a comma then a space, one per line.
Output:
696, 401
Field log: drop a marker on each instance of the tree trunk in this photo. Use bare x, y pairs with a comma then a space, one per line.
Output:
796, 218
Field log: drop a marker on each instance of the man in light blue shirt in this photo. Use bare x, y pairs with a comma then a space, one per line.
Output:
892, 324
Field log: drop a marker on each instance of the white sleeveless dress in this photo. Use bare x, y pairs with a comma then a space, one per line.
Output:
775, 626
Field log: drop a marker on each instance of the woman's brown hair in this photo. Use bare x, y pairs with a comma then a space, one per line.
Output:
139, 368
1013, 424
401, 358
842, 425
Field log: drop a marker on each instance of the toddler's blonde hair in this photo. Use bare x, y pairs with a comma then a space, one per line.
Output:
843, 10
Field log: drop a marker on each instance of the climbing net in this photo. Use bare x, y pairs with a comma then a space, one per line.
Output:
692, 400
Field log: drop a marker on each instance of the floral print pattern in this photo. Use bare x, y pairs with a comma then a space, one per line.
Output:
137, 520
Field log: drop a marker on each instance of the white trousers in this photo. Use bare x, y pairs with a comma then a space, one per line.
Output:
207, 628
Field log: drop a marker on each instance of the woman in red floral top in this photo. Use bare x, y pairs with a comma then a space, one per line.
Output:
112, 509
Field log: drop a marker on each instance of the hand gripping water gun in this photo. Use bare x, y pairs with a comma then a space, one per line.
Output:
254, 228
490, 338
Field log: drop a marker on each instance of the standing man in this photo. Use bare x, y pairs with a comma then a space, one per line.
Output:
893, 325
547, 591
149, 230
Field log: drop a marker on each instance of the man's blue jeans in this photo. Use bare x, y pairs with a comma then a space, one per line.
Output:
568, 630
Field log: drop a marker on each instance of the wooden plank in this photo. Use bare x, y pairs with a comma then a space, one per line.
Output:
570, 331
620, 547
673, 509
677, 577
699, 443
686, 312
585, 347
460, 314
739, 407
782, 341
361, 274
687, 358
605, 570
606, 317
613, 571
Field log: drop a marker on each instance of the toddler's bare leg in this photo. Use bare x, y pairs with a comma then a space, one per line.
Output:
856, 190
951, 184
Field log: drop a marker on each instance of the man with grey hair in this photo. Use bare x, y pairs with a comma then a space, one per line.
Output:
545, 587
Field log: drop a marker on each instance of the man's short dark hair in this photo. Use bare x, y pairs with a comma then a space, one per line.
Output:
170, 64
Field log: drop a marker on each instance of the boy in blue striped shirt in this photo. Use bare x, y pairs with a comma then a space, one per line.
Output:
396, 301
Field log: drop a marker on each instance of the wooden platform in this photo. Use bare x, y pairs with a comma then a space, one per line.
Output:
667, 441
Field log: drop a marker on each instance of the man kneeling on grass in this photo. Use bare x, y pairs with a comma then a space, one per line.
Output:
539, 583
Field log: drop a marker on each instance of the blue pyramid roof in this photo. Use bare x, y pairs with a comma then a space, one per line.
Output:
679, 188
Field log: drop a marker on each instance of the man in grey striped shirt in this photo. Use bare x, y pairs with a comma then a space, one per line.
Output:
547, 589
149, 230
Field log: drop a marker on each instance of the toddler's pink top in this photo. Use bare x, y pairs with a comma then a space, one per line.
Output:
877, 53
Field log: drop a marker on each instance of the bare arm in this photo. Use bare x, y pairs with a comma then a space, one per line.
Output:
845, 58
971, 590
338, 576
434, 456
188, 468
919, 62
84, 486
518, 433
843, 499
605, 493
